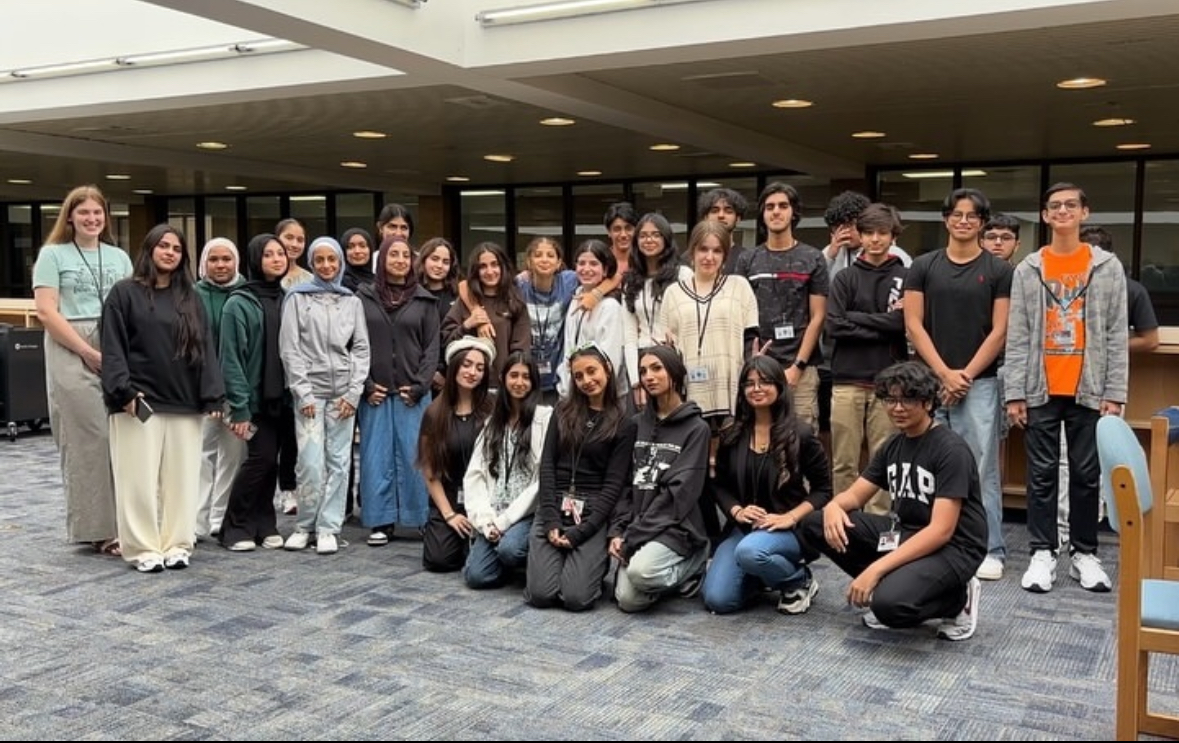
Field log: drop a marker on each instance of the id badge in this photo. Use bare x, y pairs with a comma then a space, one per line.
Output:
1065, 337
698, 374
545, 367
572, 507
889, 541
460, 499
783, 332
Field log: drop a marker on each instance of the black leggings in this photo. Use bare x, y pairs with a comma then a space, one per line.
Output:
288, 450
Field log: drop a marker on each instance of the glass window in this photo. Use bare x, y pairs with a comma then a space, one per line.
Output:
120, 226
815, 194
484, 218
262, 214
182, 216
355, 210
1014, 191
311, 210
669, 198
1159, 271
745, 233
221, 220
48, 217
590, 203
16, 273
919, 200
539, 212
1110, 188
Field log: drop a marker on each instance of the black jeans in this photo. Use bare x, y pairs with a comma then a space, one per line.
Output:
1042, 442
249, 515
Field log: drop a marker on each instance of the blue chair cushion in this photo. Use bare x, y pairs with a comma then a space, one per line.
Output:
1172, 416
1160, 604
1117, 445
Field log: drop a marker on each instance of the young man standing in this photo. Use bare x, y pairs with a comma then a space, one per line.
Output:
956, 303
728, 207
917, 562
620, 221
790, 281
866, 323
1067, 362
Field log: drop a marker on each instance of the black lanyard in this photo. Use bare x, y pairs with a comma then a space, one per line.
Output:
541, 339
707, 301
96, 276
650, 311
589, 424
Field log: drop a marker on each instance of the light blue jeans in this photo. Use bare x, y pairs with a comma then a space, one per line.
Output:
654, 570
392, 490
976, 419
325, 448
489, 564
745, 563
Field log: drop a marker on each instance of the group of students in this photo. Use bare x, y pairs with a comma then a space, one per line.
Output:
685, 392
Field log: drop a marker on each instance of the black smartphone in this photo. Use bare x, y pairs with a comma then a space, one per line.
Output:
143, 411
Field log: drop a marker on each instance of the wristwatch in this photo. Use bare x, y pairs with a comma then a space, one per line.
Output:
801, 364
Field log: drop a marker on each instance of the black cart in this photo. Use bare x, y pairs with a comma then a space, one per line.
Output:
23, 400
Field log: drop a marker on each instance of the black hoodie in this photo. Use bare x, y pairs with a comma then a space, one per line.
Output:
868, 336
670, 470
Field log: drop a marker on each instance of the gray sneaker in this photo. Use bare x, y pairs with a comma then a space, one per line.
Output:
798, 600
872, 622
962, 627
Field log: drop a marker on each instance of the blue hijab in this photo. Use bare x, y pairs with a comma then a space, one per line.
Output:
318, 285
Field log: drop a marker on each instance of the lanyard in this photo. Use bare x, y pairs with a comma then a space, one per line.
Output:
544, 302
702, 325
650, 310
96, 276
589, 425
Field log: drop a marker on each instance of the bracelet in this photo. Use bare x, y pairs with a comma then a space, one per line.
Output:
451, 517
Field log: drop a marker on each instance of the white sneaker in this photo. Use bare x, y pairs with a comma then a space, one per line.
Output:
290, 506
798, 600
872, 622
962, 627
245, 545
272, 542
1041, 572
991, 568
325, 544
1087, 569
297, 541
150, 565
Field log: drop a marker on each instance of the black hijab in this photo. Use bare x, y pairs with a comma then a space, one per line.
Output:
357, 276
269, 294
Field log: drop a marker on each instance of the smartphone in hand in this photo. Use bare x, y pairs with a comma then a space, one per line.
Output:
143, 411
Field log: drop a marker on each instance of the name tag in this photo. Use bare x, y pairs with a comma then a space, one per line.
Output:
460, 496
571, 506
545, 367
783, 332
889, 541
698, 374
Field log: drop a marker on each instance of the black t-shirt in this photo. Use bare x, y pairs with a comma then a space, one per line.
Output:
959, 302
460, 445
1139, 309
936, 464
783, 282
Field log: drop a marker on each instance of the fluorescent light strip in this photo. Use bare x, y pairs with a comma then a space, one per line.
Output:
565, 9
918, 174
411, 4
256, 46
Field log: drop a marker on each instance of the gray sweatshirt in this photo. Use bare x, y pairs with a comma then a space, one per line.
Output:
324, 347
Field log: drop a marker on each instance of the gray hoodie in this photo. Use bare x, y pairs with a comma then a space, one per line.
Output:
1105, 368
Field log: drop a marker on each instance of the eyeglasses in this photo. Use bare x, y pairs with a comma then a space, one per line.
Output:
905, 402
968, 217
999, 237
650, 236
1071, 205
757, 384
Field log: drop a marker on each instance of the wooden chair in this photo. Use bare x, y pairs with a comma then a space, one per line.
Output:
1148, 607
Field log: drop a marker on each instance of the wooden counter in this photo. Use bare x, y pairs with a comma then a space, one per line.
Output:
19, 312
1154, 385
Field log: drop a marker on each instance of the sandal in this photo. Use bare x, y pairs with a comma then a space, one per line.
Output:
110, 547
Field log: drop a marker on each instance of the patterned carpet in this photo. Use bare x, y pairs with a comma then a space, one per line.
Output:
365, 645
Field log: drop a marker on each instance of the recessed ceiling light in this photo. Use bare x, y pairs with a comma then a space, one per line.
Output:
212, 145
353, 164
457, 178
499, 158
557, 121
589, 173
369, 134
235, 188
923, 156
792, 103
142, 191
664, 147
1114, 122
868, 134
1134, 146
118, 177
1080, 83
20, 181
743, 164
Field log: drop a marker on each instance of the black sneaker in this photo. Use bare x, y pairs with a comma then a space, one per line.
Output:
690, 588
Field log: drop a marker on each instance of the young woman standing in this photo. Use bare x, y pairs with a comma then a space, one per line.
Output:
449, 429
358, 258
503, 476
490, 306
325, 353
75, 270
583, 470
771, 471
547, 292
601, 325
437, 269
403, 332
159, 375
293, 236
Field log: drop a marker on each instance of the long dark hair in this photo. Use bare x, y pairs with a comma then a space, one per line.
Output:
439, 417
501, 417
667, 264
190, 323
784, 443
573, 413
677, 372
450, 283
392, 296
505, 290
302, 261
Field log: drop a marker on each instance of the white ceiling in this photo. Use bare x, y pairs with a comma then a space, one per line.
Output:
973, 89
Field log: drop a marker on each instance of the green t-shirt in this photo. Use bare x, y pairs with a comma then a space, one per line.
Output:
82, 278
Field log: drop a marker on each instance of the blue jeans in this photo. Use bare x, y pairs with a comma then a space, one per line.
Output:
976, 419
488, 564
745, 563
325, 453
392, 490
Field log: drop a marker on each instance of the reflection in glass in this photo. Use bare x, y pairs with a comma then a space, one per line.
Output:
1159, 271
